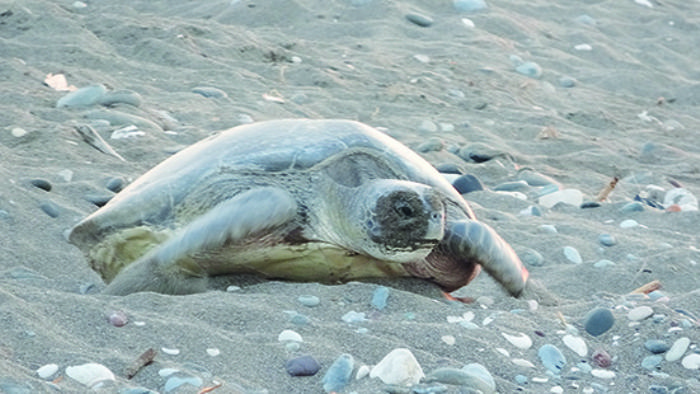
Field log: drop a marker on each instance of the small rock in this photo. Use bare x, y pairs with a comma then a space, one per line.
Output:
210, 92
678, 348
380, 297
530, 69
433, 144
575, 343
99, 200
634, 206
552, 358
213, 352
19, 132
572, 255
419, 19
90, 374
607, 240
354, 317
598, 321
640, 313
652, 362
66, 175
467, 183
469, 5
603, 263
83, 97
115, 184
567, 82
448, 339
603, 373
303, 366
629, 223
117, 318
46, 371
681, 197
398, 367
289, 336
309, 300
123, 96
601, 358
520, 341
656, 346
170, 351
42, 184
338, 374
50, 208
531, 257
691, 361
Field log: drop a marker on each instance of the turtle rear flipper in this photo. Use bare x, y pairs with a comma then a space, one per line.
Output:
475, 242
170, 267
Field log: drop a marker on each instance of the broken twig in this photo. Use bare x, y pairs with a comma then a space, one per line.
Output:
146, 358
93, 138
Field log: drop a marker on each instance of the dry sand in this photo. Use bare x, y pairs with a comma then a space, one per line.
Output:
632, 113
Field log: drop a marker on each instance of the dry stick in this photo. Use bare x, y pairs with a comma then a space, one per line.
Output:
603, 195
210, 388
96, 141
647, 288
146, 358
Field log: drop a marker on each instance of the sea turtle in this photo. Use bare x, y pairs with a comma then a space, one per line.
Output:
304, 200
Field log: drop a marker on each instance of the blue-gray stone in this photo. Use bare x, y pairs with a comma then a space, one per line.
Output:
546, 189
652, 362
567, 82
309, 300
50, 208
552, 358
511, 186
467, 183
469, 5
338, 374
598, 321
449, 168
83, 97
607, 239
299, 319
174, 382
658, 389
520, 379
656, 294
209, 92
634, 206
380, 297
115, 184
42, 184
98, 200
531, 257
121, 97
656, 346
590, 204
419, 19
530, 69
303, 366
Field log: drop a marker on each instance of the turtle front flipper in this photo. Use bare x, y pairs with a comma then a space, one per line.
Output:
171, 268
471, 242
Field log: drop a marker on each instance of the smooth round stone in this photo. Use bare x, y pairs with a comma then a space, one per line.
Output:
657, 389
521, 341
289, 336
42, 184
629, 223
567, 82
354, 317
572, 255
433, 144
98, 200
534, 178
640, 313
520, 379
115, 184
121, 97
50, 208
419, 19
478, 153
449, 168
603, 373
46, 371
380, 297
549, 228
652, 362
656, 346
303, 366
90, 374
601, 358
83, 97
603, 263
467, 183
309, 300
511, 186
634, 206
530, 69
552, 358
678, 348
338, 374
598, 321
691, 361
469, 5
19, 132
448, 339
209, 92
531, 257
473, 376
213, 352
575, 343
607, 239
567, 196
480, 372
398, 367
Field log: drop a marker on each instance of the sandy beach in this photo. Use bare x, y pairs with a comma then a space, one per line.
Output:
530, 97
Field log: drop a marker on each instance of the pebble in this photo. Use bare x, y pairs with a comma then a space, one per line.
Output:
289, 336
309, 300
449, 168
629, 223
567, 196
213, 352
652, 362
170, 351
656, 346
98, 200
338, 374
83, 97
19, 132
552, 358
678, 348
603, 373
531, 257
603, 263
467, 183
303, 366
42, 184
121, 97
209, 92
50, 208
512, 186
473, 376
174, 382
47, 371
247, 119
90, 374
521, 341
354, 317
380, 297
433, 144
607, 239
691, 361
115, 184
598, 321
633, 206
130, 131
448, 339
640, 313
362, 372
601, 358
398, 367
478, 153
530, 69
469, 5
419, 19
117, 318
534, 178
575, 343
583, 47
66, 175
572, 255
521, 362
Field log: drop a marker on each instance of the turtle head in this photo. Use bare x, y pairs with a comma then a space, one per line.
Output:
401, 221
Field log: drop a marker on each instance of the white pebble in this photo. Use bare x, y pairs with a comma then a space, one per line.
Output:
640, 313
572, 255
532, 305
19, 132
678, 349
165, 372
46, 371
232, 288
398, 367
603, 373
691, 361
645, 3
79, 5
170, 351
90, 374
583, 47
556, 390
212, 351
422, 58
577, 344
503, 351
66, 174
521, 362
629, 223
448, 339
521, 341
289, 336
566, 196
468, 23
549, 228
362, 372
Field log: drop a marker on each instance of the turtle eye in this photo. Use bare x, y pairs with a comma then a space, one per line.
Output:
404, 210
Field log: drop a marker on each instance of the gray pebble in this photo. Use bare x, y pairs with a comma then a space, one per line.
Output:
567, 82
512, 186
339, 373
634, 206
209, 92
520, 379
50, 208
121, 97
656, 346
607, 239
433, 144
83, 97
598, 321
531, 257
303, 366
478, 153
380, 297
552, 358
534, 178
98, 200
449, 168
652, 362
419, 19
467, 183
42, 184
115, 184
530, 69
658, 389
309, 300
